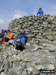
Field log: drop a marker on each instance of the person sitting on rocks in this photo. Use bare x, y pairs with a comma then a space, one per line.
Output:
40, 12
5, 34
23, 39
3, 38
17, 44
2, 33
9, 35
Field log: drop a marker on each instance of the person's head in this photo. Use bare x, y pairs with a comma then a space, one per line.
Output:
22, 31
2, 30
5, 30
40, 8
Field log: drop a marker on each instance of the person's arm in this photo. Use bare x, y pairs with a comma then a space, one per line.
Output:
19, 35
37, 12
24, 34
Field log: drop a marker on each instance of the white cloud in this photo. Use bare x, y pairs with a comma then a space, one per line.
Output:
19, 14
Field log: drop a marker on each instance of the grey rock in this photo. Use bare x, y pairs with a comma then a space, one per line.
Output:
52, 48
35, 72
3, 73
50, 67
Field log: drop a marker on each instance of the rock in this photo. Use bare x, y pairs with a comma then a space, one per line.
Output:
49, 37
34, 47
27, 44
51, 59
52, 48
30, 69
10, 41
0, 48
39, 67
50, 67
35, 72
3, 73
16, 70
16, 58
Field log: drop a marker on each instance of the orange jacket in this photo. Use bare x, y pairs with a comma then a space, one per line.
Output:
10, 35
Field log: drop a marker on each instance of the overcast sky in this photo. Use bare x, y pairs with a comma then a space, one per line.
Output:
11, 9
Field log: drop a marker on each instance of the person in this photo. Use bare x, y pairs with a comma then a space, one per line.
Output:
2, 33
5, 34
9, 35
3, 38
40, 12
23, 37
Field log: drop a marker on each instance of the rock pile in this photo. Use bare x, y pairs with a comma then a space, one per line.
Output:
39, 57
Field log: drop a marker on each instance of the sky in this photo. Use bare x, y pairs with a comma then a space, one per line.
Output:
11, 9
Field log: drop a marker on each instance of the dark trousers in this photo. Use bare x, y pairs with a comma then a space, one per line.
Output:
7, 39
20, 46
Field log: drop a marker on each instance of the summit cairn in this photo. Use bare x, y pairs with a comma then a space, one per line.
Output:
39, 55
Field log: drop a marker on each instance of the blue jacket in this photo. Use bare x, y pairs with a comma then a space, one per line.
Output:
22, 38
40, 12
15, 41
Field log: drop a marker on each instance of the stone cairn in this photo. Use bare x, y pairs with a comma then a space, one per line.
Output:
39, 56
